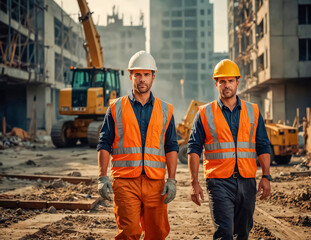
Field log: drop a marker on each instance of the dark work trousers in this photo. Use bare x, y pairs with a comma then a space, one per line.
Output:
232, 205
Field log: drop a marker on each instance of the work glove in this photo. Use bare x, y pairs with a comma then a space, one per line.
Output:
103, 185
170, 189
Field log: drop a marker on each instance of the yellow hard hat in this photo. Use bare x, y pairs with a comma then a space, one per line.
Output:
226, 68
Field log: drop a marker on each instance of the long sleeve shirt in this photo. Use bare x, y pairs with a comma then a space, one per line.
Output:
143, 114
197, 136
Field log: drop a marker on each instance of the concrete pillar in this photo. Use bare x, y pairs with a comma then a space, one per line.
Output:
278, 102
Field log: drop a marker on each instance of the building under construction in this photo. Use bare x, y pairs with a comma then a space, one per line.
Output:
271, 42
38, 43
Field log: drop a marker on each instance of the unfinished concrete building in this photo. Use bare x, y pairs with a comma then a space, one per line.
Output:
38, 43
120, 42
271, 42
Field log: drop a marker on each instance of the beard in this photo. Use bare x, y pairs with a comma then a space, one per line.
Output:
227, 93
142, 88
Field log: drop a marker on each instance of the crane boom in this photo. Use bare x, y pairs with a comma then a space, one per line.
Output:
94, 51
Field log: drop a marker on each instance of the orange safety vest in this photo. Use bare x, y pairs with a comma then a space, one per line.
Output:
220, 150
127, 158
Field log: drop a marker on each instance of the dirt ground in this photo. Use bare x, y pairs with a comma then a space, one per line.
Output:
285, 215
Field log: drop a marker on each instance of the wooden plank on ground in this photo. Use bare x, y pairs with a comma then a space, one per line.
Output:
302, 173
73, 180
31, 204
73, 205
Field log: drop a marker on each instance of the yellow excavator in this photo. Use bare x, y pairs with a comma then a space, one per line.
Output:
91, 90
283, 138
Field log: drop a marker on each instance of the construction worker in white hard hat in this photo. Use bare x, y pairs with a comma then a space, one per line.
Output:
139, 133
233, 133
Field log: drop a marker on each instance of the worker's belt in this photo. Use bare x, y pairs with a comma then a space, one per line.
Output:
236, 175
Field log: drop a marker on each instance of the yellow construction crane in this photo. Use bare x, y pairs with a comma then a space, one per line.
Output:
91, 90
283, 139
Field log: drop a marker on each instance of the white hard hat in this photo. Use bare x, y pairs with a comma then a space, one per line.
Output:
142, 60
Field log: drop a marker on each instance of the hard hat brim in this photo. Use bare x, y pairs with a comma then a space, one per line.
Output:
225, 75
140, 68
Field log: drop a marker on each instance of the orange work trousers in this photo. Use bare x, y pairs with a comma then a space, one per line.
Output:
139, 208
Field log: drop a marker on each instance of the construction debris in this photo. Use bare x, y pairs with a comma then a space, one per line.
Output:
73, 180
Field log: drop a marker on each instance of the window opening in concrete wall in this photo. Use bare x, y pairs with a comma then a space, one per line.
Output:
176, 3
176, 33
305, 49
260, 30
177, 55
176, 13
192, 55
166, 34
190, 34
191, 45
261, 62
190, 12
176, 23
177, 66
304, 14
190, 23
190, 3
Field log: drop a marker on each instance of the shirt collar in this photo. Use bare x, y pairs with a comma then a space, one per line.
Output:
221, 105
133, 100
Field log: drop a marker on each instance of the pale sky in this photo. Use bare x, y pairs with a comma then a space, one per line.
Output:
132, 9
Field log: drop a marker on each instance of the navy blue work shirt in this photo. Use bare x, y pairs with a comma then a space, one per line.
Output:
197, 136
143, 114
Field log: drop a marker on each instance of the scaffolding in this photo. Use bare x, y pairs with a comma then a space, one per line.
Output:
22, 36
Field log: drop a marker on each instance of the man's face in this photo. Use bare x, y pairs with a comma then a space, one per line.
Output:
227, 87
142, 80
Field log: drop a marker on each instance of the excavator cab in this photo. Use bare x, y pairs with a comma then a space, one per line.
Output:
92, 89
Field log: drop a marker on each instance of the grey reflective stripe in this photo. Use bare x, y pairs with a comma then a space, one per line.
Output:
220, 155
216, 146
118, 109
246, 145
224, 155
210, 122
155, 151
247, 155
154, 164
164, 121
128, 150
251, 116
127, 163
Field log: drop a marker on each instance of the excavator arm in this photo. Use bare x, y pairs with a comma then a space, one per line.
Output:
93, 48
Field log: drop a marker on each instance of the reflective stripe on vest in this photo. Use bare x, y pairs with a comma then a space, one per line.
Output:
154, 157
228, 151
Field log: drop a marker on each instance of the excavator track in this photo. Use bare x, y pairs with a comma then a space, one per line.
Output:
60, 132
93, 133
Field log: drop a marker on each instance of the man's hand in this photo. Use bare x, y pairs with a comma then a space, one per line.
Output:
170, 189
103, 186
264, 188
196, 193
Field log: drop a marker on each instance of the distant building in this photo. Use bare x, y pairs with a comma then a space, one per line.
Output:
40, 42
271, 42
120, 42
182, 42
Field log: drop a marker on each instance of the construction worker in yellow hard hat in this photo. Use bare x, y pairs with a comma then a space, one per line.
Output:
233, 133
139, 132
